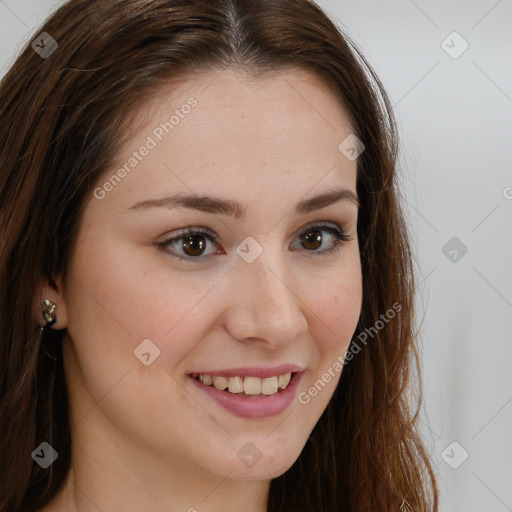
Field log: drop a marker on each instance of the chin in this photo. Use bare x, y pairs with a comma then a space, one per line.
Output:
253, 463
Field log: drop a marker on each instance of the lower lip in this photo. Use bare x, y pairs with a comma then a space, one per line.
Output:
253, 408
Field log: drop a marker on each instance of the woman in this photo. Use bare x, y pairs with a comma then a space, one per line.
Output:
207, 294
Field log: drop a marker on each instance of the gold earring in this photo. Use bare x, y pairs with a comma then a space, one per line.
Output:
49, 312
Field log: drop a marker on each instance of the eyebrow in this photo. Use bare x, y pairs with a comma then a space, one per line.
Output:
221, 206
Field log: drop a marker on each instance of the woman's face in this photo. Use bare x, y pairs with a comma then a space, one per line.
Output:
258, 294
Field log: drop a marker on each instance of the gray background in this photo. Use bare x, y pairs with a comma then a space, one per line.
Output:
455, 125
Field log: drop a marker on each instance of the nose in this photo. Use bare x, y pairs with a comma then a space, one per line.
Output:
264, 306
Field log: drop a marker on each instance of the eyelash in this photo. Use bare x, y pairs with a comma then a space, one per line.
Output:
340, 238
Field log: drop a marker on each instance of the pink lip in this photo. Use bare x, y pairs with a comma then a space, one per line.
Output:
254, 371
253, 408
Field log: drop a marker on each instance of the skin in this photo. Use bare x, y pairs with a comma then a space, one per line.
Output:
144, 437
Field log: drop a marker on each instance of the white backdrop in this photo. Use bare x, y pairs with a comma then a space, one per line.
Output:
447, 67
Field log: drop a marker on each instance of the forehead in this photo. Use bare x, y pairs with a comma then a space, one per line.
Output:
289, 85
289, 103
223, 127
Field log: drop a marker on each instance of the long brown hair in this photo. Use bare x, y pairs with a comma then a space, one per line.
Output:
62, 119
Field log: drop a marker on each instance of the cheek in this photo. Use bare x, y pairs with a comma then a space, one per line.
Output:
336, 305
114, 304
116, 300
335, 309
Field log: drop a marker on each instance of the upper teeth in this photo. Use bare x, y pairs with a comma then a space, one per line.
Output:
247, 385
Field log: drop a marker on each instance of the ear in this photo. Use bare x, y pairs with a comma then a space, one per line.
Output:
51, 289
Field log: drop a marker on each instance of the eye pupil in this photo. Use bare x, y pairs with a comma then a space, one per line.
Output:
312, 236
189, 244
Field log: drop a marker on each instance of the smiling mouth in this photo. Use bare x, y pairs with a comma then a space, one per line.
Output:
246, 386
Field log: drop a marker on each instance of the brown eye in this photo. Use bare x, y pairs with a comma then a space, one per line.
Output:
311, 239
314, 237
193, 245
190, 244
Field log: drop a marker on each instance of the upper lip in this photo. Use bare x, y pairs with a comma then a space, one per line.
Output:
254, 371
